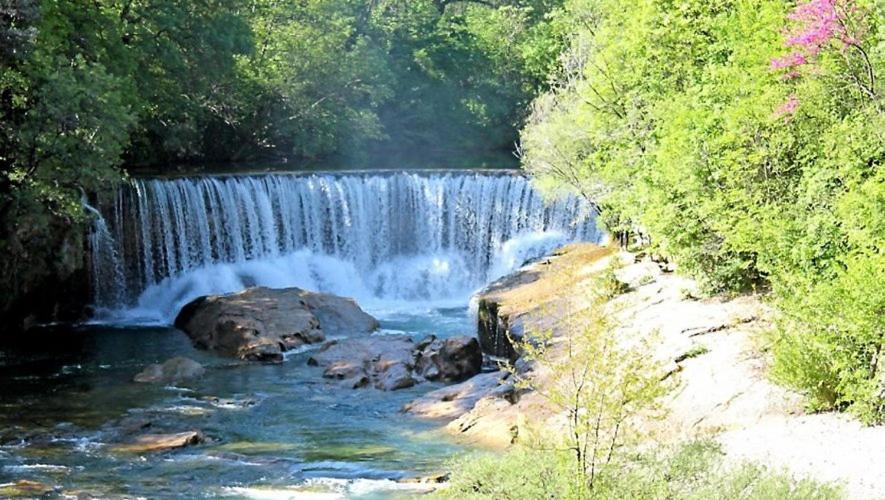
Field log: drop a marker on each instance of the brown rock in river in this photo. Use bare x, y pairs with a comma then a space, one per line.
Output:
261, 323
148, 443
338, 315
396, 376
455, 400
455, 358
395, 362
384, 362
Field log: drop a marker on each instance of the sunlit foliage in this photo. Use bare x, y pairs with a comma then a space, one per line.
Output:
744, 139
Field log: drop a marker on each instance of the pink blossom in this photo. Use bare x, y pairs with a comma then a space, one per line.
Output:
815, 26
788, 61
788, 108
816, 23
849, 40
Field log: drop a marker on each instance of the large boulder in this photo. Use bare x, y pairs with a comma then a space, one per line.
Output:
177, 369
394, 362
261, 323
338, 315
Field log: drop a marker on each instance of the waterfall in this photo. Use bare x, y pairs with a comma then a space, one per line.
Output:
383, 236
107, 268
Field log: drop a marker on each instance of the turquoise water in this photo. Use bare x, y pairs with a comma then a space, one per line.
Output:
274, 430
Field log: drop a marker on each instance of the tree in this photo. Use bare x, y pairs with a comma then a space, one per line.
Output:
605, 385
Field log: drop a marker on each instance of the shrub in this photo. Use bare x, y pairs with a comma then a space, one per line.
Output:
607, 283
694, 470
830, 345
603, 384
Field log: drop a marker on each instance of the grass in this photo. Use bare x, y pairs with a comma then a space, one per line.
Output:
695, 351
694, 470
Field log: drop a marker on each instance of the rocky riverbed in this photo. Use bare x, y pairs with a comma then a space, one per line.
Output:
153, 412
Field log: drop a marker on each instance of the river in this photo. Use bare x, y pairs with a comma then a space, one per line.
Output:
411, 247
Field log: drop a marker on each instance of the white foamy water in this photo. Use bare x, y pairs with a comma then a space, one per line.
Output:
331, 488
390, 240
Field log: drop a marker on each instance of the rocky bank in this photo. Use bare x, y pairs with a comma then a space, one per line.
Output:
714, 349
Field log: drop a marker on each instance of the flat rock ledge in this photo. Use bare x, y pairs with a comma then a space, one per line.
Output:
391, 362
453, 401
260, 324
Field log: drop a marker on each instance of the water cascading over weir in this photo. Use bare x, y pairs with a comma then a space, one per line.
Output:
375, 236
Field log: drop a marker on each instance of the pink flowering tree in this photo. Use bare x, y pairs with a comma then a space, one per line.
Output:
824, 25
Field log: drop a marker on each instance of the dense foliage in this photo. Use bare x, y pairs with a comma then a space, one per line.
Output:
90, 89
744, 139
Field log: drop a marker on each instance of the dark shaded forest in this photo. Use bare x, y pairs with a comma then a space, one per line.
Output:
93, 91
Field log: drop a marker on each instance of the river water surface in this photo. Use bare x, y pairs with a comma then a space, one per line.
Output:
275, 430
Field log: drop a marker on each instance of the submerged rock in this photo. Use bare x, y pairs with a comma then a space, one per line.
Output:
149, 443
177, 369
260, 324
395, 362
25, 488
131, 425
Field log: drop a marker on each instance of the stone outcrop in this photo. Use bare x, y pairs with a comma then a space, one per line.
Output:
497, 330
526, 299
261, 323
177, 369
394, 362
490, 410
